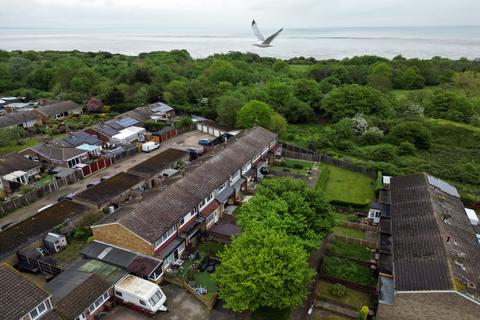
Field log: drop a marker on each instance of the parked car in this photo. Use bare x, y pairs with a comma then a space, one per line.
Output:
139, 293
204, 142
150, 146
92, 184
68, 196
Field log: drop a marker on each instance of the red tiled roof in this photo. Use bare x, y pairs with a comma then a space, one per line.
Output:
210, 208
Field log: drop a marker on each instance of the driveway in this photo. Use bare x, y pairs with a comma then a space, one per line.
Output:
181, 305
184, 141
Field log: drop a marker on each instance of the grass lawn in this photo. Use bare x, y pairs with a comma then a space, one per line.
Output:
349, 232
341, 248
294, 166
300, 67
347, 270
347, 186
70, 253
28, 142
318, 315
270, 314
341, 217
354, 298
212, 247
44, 180
202, 279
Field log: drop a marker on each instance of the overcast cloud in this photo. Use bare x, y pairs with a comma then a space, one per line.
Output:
235, 15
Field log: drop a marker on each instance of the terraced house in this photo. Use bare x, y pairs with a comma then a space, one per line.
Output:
163, 224
430, 249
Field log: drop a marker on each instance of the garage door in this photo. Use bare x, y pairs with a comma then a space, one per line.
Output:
205, 129
199, 127
216, 133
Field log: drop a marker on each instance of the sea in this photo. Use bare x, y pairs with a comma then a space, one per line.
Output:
320, 43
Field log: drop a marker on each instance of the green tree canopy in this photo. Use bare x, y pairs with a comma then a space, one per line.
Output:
380, 76
255, 113
347, 101
413, 132
263, 268
227, 107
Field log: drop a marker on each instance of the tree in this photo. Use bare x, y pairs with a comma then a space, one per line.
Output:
308, 91
380, 76
114, 96
94, 105
176, 92
263, 268
468, 82
289, 205
280, 66
9, 135
221, 70
255, 113
450, 105
411, 131
20, 68
227, 107
278, 124
347, 101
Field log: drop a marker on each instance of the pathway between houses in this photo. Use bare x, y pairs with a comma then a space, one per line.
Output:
314, 175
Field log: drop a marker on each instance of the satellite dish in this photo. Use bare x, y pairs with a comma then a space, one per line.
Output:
141, 138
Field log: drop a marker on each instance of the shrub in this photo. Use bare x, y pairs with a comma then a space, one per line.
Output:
411, 131
363, 313
352, 217
338, 290
183, 122
297, 166
406, 148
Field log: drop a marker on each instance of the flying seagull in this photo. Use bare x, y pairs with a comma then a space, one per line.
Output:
262, 42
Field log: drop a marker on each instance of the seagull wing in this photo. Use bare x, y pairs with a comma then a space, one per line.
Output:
257, 32
273, 36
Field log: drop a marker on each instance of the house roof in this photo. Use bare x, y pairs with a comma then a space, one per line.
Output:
18, 295
17, 118
141, 114
23, 233
159, 162
160, 107
153, 216
14, 162
74, 291
108, 272
58, 153
59, 107
431, 234
78, 138
107, 190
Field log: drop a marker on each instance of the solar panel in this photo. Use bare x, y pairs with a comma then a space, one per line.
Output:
127, 122
442, 185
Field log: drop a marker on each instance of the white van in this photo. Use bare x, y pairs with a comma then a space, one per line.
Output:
140, 294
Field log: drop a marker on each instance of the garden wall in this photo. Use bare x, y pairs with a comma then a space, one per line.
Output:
199, 297
358, 226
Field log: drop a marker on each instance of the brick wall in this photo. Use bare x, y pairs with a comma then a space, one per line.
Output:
117, 235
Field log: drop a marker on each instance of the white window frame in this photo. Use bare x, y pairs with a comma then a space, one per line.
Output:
165, 237
223, 186
206, 201
246, 167
265, 150
256, 158
187, 218
37, 310
234, 178
103, 298
211, 218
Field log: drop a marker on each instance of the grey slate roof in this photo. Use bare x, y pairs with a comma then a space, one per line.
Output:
53, 152
159, 162
109, 189
17, 118
14, 161
153, 216
18, 295
59, 107
78, 138
430, 233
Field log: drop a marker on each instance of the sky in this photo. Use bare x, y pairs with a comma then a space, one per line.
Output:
235, 15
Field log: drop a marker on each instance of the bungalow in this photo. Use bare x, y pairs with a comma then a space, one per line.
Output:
429, 253
24, 119
59, 110
17, 168
163, 224
20, 298
161, 111
109, 129
78, 295
53, 156
19, 106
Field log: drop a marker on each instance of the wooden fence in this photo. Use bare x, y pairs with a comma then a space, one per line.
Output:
294, 152
28, 198
43, 266
348, 284
359, 226
366, 243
